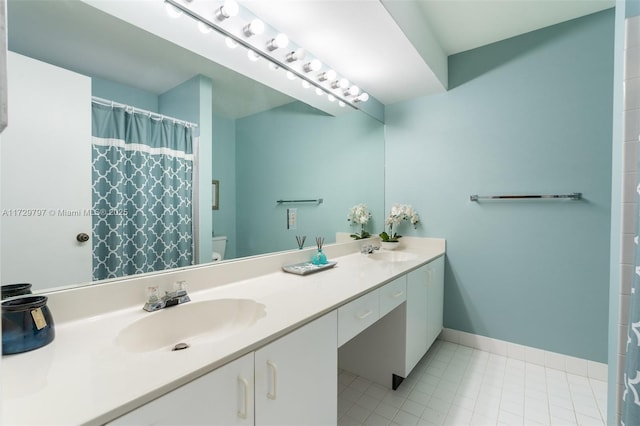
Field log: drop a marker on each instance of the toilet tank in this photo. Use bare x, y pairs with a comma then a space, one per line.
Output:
219, 244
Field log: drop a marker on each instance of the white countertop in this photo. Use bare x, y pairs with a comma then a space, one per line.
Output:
83, 377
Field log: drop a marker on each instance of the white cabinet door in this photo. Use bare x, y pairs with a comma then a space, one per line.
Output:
435, 299
296, 376
417, 330
222, 397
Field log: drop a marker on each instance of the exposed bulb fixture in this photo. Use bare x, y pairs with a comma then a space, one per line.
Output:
204, 28
313, 65
236, 31
352, 91
327, 75
279, 42
229, 9
231, 43
255, 27
296, 55
364, 97
343, 83
172, 11
252, 55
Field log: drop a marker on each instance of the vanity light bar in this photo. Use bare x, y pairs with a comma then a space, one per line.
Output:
320, 89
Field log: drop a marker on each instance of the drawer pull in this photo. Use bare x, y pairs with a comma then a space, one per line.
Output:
364, 314
245, 395
398, 294
274, 376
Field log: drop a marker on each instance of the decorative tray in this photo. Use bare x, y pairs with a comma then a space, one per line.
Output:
306, 268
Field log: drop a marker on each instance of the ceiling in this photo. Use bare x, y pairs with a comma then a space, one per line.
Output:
393, 49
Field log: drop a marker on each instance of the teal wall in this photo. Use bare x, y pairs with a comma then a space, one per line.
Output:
192, 101
532, 114
224, 170
632, 8
124, 94
297, 152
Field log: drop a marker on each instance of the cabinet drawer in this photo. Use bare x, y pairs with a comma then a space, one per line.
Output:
357, 315
392, 295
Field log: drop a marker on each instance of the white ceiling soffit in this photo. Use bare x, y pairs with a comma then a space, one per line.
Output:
76, 36
359, 39
461, 25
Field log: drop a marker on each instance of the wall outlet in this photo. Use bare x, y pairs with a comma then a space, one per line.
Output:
292, 218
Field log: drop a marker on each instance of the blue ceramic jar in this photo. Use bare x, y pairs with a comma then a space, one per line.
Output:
27, 324
11, 290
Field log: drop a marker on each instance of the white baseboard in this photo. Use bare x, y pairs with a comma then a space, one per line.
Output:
557, 361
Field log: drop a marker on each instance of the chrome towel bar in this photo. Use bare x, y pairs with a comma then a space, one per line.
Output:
573, 196
318, 201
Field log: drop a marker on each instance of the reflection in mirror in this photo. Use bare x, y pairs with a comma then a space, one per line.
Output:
260, 145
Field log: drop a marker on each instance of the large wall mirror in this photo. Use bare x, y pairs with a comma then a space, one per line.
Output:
260, 145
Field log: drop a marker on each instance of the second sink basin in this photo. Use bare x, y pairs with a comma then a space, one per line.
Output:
392, 256
210, 320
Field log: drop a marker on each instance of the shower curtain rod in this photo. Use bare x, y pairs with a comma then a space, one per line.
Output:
109, 103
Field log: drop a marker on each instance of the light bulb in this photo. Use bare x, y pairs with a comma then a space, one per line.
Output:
273, 66
279, 42
172, 11
319, 91
364, 97
255, 27
253, 56
352, 91
229, 9
306, 84
231, 43
341, 104
331, 98
327, 75
296, 55
204, 28
313, 65
340, 84
290, 75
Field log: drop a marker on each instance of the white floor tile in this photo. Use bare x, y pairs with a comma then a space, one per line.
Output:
376, 420
405, 419
358, 413
459, 385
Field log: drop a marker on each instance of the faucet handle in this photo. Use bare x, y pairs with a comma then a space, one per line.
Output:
180, 287
152, 294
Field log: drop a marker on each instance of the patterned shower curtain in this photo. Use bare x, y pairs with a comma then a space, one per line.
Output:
631, 394
142, 193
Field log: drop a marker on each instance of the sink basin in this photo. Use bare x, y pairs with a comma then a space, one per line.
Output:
392, 256
190, 322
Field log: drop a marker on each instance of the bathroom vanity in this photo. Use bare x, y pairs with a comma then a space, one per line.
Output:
270, 357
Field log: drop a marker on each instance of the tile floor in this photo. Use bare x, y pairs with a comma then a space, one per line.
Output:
458, 385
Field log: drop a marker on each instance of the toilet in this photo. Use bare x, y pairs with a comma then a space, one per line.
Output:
219, 244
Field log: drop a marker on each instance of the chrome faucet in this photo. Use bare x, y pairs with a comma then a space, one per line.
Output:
368, 249
176, 297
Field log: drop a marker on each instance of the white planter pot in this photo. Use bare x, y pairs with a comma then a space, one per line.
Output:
388, 245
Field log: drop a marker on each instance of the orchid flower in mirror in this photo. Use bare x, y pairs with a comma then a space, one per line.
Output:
359, 215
